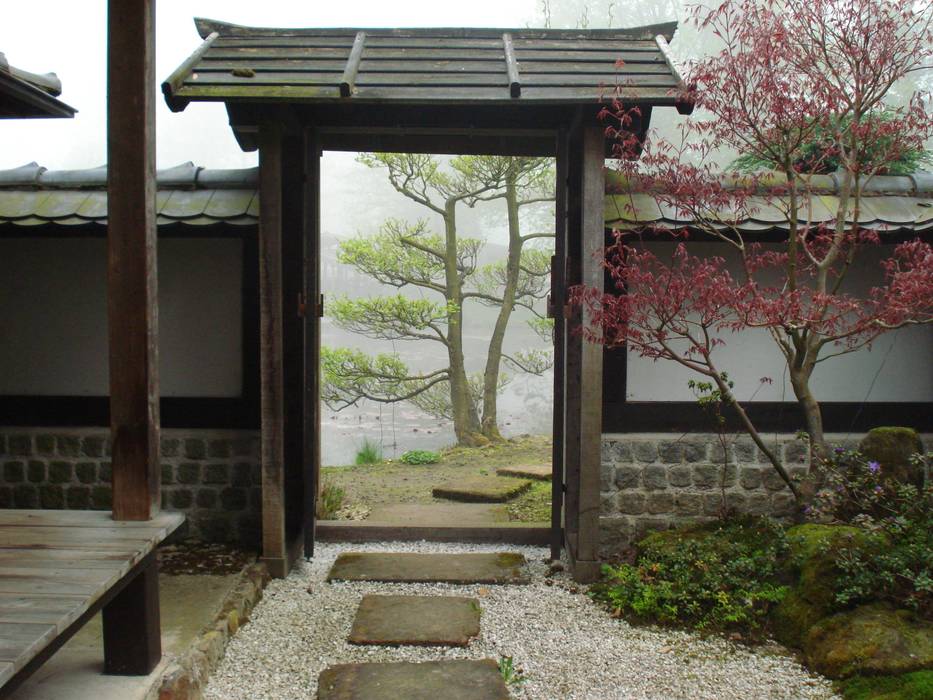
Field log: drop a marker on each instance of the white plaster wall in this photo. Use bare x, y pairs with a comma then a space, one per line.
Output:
53, 317
898, 366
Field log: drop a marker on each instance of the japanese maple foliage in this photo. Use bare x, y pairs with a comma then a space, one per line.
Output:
789, 73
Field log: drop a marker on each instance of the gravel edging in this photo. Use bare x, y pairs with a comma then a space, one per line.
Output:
567, 646
186, 677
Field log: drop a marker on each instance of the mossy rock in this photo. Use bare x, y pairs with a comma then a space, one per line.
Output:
813, 549
869, 640
892, 448
756, 533
907, 686
793, 617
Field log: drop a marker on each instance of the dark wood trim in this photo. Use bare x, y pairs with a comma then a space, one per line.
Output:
838, 417
557, 302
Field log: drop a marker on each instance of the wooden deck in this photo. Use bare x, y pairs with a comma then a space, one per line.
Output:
57, 568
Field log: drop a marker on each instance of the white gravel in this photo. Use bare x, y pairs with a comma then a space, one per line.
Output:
568, 647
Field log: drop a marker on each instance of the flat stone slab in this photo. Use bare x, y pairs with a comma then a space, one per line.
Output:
440, 514
416, 620
538, 472
491, 489
451, 680
414, 567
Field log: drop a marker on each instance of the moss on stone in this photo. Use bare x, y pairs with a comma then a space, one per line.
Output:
869, 640
907, 686
793, 617
892, 448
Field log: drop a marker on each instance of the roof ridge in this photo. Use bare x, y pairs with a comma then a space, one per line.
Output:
185, 175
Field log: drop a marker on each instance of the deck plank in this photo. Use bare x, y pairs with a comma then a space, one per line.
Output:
55, 565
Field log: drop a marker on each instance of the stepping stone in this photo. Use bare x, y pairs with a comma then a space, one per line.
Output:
491, 489
450, 680
538, 472
416, 620
440, 514
413, 567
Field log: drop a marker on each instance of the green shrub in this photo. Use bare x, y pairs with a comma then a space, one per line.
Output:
908, 686
420, 457
712, 578
329, 501
369, 453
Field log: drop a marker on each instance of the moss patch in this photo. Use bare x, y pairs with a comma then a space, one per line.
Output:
793, 617
871, 639
908, 686
892, 447
533, 506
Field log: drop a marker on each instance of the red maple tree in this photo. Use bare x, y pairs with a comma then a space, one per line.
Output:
790, 74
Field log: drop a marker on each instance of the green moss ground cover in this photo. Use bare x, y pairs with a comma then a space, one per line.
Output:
908, 686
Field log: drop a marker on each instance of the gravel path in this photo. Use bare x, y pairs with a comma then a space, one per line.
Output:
569, 648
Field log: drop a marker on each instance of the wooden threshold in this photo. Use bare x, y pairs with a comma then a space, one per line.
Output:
375, 531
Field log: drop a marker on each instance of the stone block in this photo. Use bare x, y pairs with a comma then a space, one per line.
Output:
45, 444
93, 445
712, 503
679, 475
19, 445
728, 475
615, 535
607, 503
758, 504
618, 451
670, 451
746, 451
695, 451
233, 499
168, 474
645, 451
101, 497
750, 477
52, 496
86, 472
796, 452
772, 480
2, 444
646, 525
783, 505
188, 473
607, 477
78, 497
60, 472
206, 498
14, 472
105, 472
628, 477
217, 474
631, 502
705, 476
195, 448
6, 497
181, 498
214, 527
249, 529
660, 502
737, 501
719, 454
68, 445
655, 477
169, 447
35, 471
219, 449
255, 498
241, 474
243, 447
688, 504
26, 496
255, 472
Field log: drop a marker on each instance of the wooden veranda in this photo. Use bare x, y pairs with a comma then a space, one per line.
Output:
59, 568
294, 93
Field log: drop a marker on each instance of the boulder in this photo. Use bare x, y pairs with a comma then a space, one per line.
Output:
869, 640
892, 448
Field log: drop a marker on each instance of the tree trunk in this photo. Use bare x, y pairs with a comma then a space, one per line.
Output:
466, 419
490, 424
813, 416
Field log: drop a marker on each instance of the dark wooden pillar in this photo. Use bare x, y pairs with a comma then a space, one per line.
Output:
132, 644
584, 360
272, 405
131, 234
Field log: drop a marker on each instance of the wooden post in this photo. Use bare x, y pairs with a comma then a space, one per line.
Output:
132, 643
558, 300
272, 405
131, 234
584, 360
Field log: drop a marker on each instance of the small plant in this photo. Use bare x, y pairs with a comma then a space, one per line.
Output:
329, 501
420, 457
369, 453
724, 577
511, 674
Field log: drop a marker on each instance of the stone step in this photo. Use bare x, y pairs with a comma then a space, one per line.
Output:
450, 680
492, 489
414, 567
538, 472
411, 620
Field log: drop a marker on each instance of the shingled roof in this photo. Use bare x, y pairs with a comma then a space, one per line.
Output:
33, 196
480, 66
28, 95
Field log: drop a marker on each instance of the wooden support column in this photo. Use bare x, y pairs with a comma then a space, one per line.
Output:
584, 360
272, 404
132, 643
131, 281
557, 302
